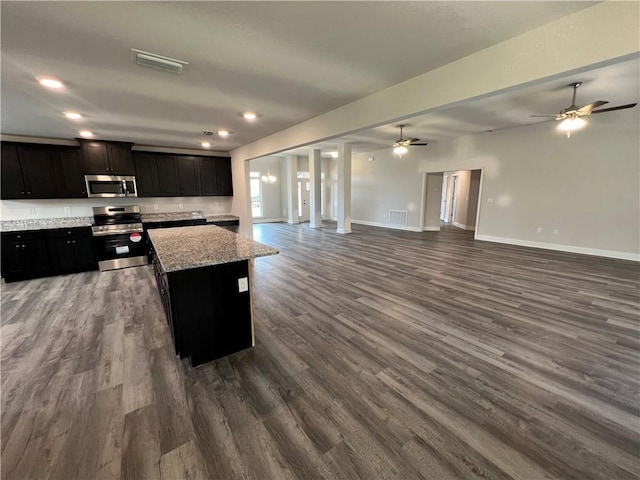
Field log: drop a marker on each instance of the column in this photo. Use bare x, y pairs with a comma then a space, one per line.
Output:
292, 188
344, 188
315, 185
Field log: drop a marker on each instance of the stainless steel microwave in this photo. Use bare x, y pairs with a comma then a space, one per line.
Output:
109, 186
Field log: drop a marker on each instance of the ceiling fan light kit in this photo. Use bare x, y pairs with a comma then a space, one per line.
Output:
570, 118
400, 145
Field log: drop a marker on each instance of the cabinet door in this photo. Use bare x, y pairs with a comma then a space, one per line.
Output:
38, 171
85, 255
95, 159
120, 160
62, 253
223, 176
11, 174
71, 250
24, 255
146, 174
70, 173
189, 175
167, 176
208, 181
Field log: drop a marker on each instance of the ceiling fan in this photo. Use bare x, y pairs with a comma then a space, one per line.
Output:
570, 117
400, 146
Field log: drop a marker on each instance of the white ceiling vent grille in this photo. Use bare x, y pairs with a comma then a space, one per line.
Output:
159, 62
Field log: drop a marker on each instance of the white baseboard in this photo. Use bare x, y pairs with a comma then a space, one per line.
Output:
387, 225
431, 229
562, 248
464, 227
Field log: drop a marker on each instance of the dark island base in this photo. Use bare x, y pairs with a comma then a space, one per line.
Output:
209, 315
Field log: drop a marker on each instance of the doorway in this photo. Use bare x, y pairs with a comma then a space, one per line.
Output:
303, 200
448, 202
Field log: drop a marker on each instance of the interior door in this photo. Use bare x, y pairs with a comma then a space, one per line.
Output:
303, 200
454, 197
443, 200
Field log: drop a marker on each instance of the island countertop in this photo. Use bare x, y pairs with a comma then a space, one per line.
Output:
184, 248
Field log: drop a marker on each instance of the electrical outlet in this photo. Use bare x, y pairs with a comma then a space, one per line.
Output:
67, 210
155, 206
181, 205
32, 211
243, 284
538, 229
555, 231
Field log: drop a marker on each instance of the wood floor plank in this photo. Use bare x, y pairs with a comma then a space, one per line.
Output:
380, 354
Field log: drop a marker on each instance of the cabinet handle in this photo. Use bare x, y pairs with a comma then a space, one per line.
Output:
28, 193
73, 242
17, 246
24, 246
22, 193
68, 241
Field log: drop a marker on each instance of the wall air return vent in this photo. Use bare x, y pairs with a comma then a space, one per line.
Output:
159, 62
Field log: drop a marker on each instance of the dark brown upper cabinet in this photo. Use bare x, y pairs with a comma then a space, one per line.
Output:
28, 171
106, 158
70, 172
189, 175
215, 176
223, 176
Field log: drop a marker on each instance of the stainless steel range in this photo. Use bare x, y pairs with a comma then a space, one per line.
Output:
119, 239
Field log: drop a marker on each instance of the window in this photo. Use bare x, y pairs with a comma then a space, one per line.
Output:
255, 186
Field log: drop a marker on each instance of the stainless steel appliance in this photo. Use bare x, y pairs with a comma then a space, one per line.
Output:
119, 239
109, 186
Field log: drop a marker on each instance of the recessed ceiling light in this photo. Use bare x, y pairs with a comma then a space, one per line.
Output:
205, 144
86, 133
250, 115
50, 82
73, 115
223, 133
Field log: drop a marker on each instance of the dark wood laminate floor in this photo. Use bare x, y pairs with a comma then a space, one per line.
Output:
379, 355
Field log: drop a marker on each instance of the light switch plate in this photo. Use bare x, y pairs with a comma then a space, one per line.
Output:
243, 284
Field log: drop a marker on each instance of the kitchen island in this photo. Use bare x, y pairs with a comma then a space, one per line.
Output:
203, 277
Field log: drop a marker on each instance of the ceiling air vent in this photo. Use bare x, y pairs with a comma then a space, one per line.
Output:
159, 62
207, 133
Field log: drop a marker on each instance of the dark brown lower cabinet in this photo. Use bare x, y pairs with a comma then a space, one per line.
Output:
71, 250
208, 316
41, 253
24, 255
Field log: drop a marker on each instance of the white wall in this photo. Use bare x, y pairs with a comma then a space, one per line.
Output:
81, 207
386, 183
587, 186
433, 200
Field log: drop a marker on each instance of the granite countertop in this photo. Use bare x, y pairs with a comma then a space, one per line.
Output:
44, 224
171, 216
184, 248
222, 218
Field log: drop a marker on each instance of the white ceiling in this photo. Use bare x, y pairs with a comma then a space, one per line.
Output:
288, 61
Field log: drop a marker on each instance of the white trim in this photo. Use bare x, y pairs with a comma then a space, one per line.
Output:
464, 227
431, 229
268, 220
343, 230
562, 248
387, 225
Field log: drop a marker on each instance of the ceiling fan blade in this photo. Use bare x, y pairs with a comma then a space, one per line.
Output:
589, 108
420, 144
620, 107
546, 115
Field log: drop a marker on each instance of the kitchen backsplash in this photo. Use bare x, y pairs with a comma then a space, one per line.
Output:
82, 207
